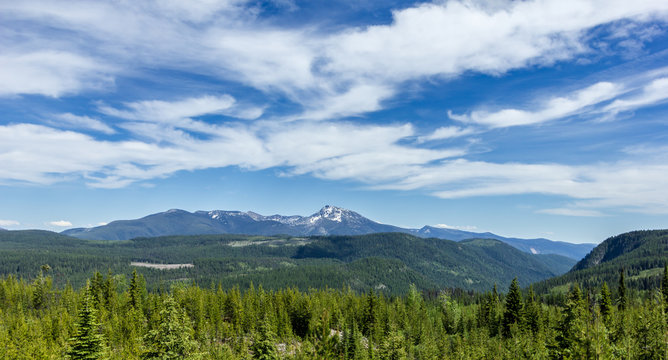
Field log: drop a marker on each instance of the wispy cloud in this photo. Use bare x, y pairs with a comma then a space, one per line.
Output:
52, 73
447, 132
555, 108
60, 223
348, 72
572, 212
9, 223
455, 227
655, 92
166, 111
69, 120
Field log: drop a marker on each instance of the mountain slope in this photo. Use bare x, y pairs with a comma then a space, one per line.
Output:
390, 261
534, 246
642, 255
330, 220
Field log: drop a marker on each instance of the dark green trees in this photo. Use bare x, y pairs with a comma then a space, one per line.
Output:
605, 304
572, 327
621, 290
87, 342
513, 313
664, 288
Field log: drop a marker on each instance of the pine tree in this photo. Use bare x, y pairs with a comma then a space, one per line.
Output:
264, 347
513, 313
664, 289
605, 304
172, 339
87, 342
571, 331
621, 290
532, 312
135, 291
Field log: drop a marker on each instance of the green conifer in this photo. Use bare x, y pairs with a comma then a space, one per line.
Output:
621, 290
87, 342
172, 339
513, 313
264, 347
664, 288
605, 304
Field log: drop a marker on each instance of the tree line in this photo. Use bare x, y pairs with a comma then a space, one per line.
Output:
112, 317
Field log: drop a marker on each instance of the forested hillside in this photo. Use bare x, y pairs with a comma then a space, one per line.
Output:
641, 256
116, 318
388, 262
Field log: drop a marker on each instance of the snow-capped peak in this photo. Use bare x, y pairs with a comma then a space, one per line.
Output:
332, 213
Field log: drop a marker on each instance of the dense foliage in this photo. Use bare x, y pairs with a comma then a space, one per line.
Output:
106, 320
641, 254
388, 262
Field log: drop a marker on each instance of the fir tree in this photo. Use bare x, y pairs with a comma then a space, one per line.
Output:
135, 291
87, 342
664, 289
513, 313
605, 304
621, 290
571, 331
172, 339
264, 347
532, 312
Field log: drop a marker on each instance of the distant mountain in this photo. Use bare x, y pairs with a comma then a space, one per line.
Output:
1, 229
330, 220
642, 255
534, 246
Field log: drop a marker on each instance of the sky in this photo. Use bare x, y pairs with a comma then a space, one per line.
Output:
545, 118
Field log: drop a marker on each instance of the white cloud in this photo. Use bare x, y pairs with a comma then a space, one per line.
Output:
454, 227
60, 223
572, 212
555, 108
9, 223
349, 72
446, 132
165, 111
653, 93
69, 120
51, 73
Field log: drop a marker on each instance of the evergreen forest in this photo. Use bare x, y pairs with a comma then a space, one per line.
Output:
102, 320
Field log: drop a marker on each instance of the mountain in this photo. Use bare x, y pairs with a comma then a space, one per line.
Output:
388, 262
1, 229
330, 220
534, 246
642, 255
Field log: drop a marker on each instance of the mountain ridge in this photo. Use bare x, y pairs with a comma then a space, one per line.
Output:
640, 254
330, 220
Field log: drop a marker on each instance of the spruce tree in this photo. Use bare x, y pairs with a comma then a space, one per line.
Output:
621, 290
513, 313
571, 330
135, 291
87, 342
664, 288
264, 347
172, 339
605, 304
532, 312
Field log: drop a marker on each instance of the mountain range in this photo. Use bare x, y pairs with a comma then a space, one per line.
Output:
330, 220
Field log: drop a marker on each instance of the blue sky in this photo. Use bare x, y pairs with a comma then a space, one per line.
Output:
524, 118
